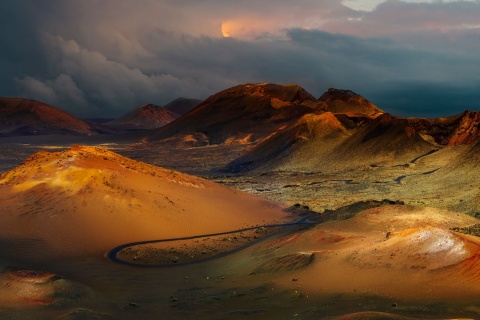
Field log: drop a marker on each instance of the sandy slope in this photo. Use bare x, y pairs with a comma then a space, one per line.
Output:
87, 200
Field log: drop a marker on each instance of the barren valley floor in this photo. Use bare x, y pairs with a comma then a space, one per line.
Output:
367, 259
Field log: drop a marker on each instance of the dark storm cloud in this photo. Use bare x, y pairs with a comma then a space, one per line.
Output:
402, 80
427, 99
105, 57
20, 54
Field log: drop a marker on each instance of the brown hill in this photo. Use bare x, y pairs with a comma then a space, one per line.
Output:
242, 114
346, 101
182, 105
87, 200
147, 116
24, 117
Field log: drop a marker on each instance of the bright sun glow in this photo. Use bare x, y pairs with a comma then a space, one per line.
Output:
225, 32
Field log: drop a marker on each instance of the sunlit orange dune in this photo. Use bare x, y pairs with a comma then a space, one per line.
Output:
88, 200
395, 251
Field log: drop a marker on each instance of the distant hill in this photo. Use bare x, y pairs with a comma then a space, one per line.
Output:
242, 114
147, 116
182, 105
346, 101
29, 117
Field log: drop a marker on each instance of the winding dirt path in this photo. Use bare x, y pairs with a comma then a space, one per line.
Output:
112, 254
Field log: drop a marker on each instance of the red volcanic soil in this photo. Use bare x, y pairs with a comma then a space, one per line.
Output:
460, 129
23, 116
147, 116
242, 114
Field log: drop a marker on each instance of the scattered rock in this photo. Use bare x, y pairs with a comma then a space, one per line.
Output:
286, 263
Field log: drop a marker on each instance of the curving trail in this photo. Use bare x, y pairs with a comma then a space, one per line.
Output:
112, 254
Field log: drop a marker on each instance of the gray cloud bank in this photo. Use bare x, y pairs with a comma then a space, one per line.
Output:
102, 58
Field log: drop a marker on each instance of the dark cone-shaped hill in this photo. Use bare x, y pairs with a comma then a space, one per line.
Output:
182, 105
147, 116
26, 117
242, 114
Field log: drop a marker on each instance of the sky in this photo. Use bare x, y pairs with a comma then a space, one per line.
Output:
96, 58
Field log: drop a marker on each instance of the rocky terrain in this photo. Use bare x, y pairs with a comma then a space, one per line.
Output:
307, 208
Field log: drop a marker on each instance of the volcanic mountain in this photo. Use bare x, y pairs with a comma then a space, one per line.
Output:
182, 105
87, 200
147, 116
327, 141
25, 117
242, 114
346, 101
